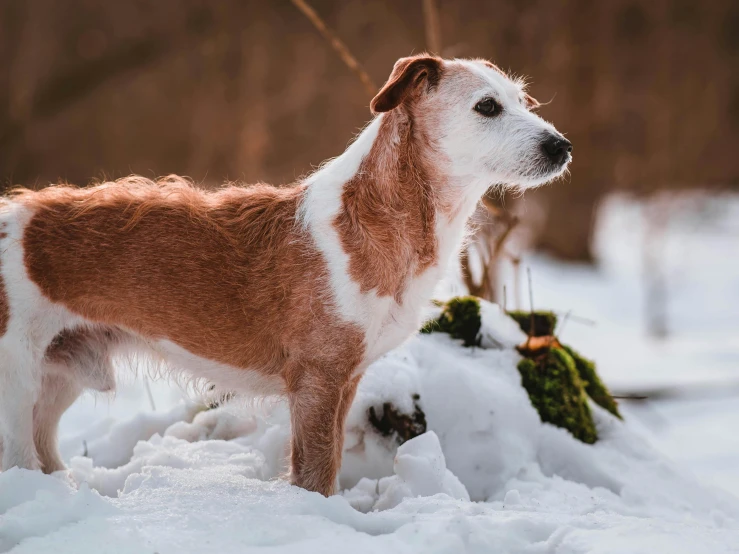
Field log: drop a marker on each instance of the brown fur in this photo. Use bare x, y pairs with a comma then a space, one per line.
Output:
228, 276
387, 225
83, 354
155, 251
405, 79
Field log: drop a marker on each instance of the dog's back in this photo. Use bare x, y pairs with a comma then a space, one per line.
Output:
159, 259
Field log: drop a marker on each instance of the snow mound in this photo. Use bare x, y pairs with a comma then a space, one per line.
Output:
33, 505
486, 476
420, 470
497, 330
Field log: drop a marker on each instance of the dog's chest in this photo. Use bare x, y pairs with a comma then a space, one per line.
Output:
390, 322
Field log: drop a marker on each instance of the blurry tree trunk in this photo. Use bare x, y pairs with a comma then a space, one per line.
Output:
656, 219
648, 92
569, 224
432, 27
570, 203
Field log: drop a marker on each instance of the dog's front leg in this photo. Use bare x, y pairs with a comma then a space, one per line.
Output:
318, 408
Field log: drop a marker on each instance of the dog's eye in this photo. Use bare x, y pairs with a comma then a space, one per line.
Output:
487, 107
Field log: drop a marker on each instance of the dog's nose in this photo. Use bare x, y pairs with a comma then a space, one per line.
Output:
557, 148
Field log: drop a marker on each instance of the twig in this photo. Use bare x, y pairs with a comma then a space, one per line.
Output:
148, 393
494, 210
531, 306
432, 26
564, 322
516, 262
485, 289
694, 391
494, 249
337, 44
581, 320
511, 223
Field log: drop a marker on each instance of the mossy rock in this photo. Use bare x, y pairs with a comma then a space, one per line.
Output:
544, 322
557, 379
460, 318
593, 385
557, 392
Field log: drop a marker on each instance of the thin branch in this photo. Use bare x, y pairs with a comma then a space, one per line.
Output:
707, 390
531, 307
494, 248
563, 323
511, 223
337, 44
581, 320
432, 26
485, 288
148, 393
493, 208
516, 261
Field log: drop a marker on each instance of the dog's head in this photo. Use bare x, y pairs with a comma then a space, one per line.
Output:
478, 119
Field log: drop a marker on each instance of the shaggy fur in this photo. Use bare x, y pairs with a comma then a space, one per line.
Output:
291, 290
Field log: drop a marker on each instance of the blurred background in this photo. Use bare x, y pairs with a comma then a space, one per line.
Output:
638, 250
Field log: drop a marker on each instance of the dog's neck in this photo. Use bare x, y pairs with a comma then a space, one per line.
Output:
383, 212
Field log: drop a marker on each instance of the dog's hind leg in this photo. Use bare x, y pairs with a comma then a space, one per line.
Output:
56, 395
76, 359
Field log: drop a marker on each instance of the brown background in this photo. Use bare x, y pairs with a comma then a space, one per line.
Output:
648, 91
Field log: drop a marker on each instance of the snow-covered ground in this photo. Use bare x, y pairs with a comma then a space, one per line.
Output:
487, 477
696, 252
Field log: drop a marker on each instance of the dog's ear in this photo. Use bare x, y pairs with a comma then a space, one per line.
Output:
530, 102
408, 75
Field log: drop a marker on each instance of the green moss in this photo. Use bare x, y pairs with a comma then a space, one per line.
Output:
557, 379
431, 326
556, 391
460, 318
544, 322
593, 385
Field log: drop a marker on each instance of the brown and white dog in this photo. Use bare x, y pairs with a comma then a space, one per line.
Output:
291, 290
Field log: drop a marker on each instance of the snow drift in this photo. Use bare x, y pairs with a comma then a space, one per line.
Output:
488, 476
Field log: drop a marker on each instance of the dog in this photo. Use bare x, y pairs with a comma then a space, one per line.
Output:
279, 290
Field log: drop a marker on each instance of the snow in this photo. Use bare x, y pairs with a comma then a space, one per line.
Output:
497, 330
488, 476
420, 470
696, 255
